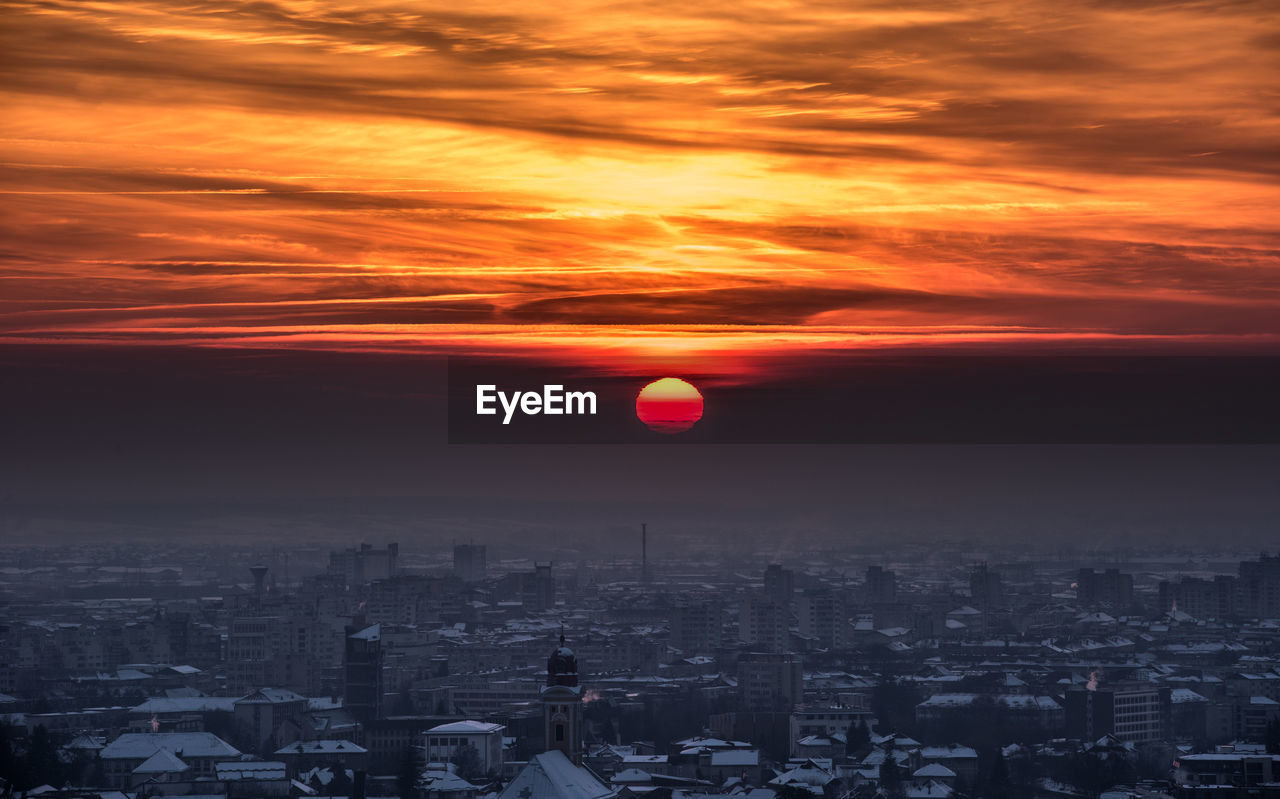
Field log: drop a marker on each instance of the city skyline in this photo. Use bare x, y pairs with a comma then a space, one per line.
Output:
779, 399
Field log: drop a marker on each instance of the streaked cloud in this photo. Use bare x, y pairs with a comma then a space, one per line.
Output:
371, 174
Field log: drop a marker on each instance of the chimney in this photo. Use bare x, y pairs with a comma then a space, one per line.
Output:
644, 553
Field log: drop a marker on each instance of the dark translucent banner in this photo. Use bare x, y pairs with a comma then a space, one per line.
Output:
975, 399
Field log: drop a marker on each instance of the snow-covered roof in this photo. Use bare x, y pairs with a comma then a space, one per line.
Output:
631, 776
250, 770
162, 762
736, 757
949, 700
321, 748
808, 775
270, 696
928, 790
142, 745
466, 727
551, 775
933, 770
948, 752
184, 670
186, 704
445, 782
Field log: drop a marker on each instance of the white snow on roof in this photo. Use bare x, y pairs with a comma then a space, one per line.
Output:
736, 757
934, 770
468, 726
321, 747
142, 745
270, 696
251, 770
185, 704
947, 752
551, 775
162, 762
445, 781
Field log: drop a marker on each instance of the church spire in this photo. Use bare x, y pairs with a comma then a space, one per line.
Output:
562, 704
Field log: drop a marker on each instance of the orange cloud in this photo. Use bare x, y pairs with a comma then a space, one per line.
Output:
356, 174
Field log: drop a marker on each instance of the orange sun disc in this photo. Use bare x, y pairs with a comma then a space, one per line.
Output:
669, 405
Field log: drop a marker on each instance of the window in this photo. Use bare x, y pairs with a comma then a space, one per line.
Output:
559, 733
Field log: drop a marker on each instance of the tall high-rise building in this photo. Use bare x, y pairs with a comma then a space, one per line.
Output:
470, 562
986, 588
1259, 587
1134, 712
779, 584
1200, 598
881, 586
1111, 587
770, 681
764, 623
822, 616
255, 651
697, 627
362, 673
538, 588
561, 700
361, 565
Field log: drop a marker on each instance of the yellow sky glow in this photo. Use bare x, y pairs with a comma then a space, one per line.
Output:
714, 178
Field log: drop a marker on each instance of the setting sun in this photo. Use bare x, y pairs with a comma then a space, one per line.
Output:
669, 405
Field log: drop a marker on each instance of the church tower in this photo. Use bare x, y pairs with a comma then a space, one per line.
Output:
562, 705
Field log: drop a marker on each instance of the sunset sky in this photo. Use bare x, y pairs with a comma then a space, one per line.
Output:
640, 176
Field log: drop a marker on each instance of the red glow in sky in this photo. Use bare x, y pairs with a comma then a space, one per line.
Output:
349, 174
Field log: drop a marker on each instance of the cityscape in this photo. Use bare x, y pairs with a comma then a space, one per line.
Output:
459, 671
599, 399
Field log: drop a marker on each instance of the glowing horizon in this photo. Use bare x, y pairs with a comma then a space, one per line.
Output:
650, 179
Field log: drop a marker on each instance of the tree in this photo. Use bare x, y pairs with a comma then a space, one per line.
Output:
43, 767
608, 734
341, 784
9, 765
894, 704
467, 761
1021, 775
890, 776
792, 792
408, 773
998, 783
857, 737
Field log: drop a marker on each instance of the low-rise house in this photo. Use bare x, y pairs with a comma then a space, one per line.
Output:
1227, 775
199, 751
443, 742
303, 756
